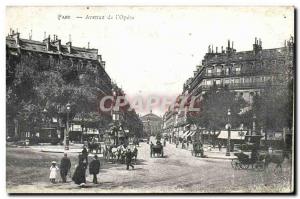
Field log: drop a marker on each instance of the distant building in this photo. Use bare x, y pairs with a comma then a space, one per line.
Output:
152, 124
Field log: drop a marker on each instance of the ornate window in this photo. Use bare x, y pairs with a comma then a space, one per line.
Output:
209, 72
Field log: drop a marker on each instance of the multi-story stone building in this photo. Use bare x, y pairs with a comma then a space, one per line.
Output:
87, 68
152, 124
245, 73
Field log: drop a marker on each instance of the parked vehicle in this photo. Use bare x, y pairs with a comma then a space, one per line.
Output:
197, 149
243, 161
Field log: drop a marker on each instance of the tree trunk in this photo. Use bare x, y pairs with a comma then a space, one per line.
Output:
266, 138
16, 124
214, 138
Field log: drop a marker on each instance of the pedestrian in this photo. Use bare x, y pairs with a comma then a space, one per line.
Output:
220, 146
53, 172
65, 165
85, 154
94, 168
79, 174
129, 159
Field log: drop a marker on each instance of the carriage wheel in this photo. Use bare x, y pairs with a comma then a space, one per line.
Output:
244, 166
260, 166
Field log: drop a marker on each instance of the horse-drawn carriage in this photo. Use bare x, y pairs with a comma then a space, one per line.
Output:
243, 161
197, 149
94, 146
157, 149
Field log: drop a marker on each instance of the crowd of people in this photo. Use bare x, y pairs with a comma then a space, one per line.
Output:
79, 176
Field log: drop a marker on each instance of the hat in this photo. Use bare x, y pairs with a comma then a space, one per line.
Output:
53, 162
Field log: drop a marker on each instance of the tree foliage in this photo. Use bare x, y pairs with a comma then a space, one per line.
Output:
273, 108
40, 83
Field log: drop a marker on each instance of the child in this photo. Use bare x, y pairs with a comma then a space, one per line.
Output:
53, 172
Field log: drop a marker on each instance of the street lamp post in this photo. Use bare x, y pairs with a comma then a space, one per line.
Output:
116, 127
66, 137
254, 124
228, 126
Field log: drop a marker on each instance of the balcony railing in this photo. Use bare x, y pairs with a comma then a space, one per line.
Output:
239, 85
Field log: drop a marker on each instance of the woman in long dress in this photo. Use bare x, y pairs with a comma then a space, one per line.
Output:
79, 174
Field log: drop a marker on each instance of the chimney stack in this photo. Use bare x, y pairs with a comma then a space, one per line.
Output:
57, 43
47, 42
30, 35
16, 36
260, 43
69, 45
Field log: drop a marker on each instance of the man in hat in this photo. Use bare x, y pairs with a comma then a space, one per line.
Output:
94, 168
128, 156
65, 165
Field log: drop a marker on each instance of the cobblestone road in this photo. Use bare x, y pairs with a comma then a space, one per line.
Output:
178, 171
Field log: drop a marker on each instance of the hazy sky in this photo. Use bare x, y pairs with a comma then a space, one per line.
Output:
157, 50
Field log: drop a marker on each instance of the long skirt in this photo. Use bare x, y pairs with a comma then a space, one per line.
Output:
79, 175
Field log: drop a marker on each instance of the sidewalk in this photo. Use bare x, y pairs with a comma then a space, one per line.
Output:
76, 148
213, 153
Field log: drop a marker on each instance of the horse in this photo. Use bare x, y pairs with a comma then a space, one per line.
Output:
94, 146
109, 153
276, 158
121, 154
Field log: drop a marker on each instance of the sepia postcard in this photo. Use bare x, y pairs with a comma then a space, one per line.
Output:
150, 99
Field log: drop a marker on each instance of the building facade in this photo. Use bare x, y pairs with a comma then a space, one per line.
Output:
246, 73
152, 124
85, 69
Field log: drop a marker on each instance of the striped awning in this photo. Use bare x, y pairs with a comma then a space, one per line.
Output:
191, 133
185, 134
